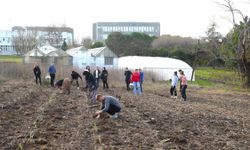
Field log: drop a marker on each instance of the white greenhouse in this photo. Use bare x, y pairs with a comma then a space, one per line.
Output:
162, 68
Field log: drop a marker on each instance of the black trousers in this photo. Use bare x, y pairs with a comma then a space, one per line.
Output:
127, 83
105, 84
173, 91
38, 77
52, 79
113, 109
77, 83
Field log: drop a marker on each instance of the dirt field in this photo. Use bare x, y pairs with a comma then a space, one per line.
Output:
33, 117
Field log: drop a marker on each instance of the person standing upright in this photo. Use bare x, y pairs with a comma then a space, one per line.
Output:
141, 78
174, 82
136, 82
97, 75
37, 73
52, 73
183, 86
127, 75
104, 77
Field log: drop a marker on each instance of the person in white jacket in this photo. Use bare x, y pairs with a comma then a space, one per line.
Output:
174, 82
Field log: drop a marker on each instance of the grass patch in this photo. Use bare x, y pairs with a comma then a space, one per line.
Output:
209, 76
6, 58
201, 82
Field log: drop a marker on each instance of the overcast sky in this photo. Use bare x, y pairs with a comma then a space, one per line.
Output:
177, 17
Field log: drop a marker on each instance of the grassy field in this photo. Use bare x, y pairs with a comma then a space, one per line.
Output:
210, 77
17, 59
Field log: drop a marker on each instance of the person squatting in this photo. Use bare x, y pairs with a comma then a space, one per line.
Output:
109, 104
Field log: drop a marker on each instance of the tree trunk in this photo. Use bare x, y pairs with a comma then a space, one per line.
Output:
192, 76
248, 74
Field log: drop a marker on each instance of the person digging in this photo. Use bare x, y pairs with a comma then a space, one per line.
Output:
110, 105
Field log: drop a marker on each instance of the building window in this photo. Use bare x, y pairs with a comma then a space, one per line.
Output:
108, 61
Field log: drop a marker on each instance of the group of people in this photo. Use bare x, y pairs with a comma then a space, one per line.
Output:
109, 104
97, 75
135, 79
183, 85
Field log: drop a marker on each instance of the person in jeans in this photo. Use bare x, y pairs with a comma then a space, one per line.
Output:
127, 74
141, 78
180, 78
174, 82
110, 105
183, 86
52, 73
37, 73
136, 82
104, 77
90, 80
97, 75
74, 77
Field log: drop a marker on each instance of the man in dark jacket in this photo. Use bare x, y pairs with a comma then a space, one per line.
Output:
90, 81
110, 105
104, 77
127, 75
37, 73
74, 77
97, 75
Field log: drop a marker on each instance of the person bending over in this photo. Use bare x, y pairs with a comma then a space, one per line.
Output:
74, 77
91, 84
110, 105
64, 85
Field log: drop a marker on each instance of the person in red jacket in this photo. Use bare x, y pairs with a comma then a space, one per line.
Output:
136, 82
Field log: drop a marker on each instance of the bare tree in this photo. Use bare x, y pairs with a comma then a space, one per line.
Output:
24, 41
214, 39
243, 40
87, 42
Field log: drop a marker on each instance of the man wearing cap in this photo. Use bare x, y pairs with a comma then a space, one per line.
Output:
110, 105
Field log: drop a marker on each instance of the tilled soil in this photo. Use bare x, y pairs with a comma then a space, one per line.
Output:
34, 117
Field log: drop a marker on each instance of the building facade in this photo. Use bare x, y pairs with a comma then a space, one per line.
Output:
101, 30
52, 35
6, 47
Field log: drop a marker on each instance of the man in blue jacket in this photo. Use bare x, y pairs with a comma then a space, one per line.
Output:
141, 78
52, 73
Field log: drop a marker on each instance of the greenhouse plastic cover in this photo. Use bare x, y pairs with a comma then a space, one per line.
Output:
162, 67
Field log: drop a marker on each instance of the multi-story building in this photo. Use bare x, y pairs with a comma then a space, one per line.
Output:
6, 47
54, 36
101, 30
